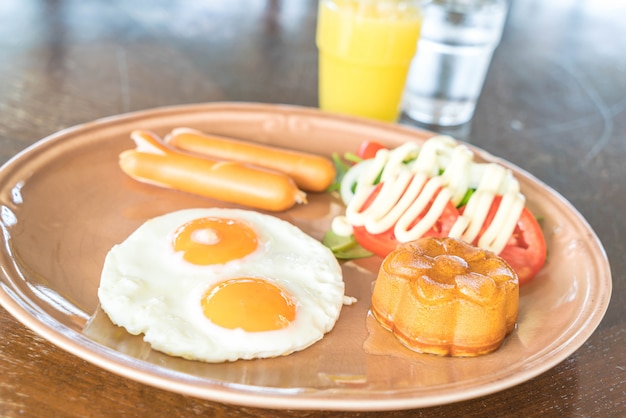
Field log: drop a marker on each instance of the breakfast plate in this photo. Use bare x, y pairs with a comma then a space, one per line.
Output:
64, 203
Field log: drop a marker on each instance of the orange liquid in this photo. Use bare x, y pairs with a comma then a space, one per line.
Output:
365, 53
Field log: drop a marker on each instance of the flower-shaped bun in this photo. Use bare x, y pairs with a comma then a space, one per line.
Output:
444, 296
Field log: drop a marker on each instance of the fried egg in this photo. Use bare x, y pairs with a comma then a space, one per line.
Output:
221, 285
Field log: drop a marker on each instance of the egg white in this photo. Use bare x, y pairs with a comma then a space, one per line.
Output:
147, 288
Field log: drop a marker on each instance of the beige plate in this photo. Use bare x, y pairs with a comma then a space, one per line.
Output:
64, 203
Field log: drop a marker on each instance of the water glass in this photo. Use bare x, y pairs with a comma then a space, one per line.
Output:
453, 56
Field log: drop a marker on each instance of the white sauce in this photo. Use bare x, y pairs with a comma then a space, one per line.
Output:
408, 188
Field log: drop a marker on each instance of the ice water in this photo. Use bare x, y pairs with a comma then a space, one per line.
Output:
453, 56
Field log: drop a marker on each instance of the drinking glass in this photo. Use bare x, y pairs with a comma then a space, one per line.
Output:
453, 56
365, 50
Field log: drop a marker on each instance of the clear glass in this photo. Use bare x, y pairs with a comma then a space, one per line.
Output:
452, 59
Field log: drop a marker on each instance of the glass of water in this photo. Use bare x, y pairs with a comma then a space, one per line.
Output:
453, 55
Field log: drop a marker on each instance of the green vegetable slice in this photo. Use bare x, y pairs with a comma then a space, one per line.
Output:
344, 247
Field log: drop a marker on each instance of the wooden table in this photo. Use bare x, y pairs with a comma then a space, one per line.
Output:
554, 103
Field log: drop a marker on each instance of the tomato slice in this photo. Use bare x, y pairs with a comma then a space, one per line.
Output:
368, 149
526, 250
385, 242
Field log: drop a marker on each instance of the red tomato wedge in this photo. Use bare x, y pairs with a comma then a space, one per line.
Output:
368, 149
385, 242
526, 250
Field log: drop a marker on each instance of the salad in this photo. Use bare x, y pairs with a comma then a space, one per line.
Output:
432, 189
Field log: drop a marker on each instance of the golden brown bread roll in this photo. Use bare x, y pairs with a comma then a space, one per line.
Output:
444, 296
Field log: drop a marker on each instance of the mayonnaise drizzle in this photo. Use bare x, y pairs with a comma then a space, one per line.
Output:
439, 171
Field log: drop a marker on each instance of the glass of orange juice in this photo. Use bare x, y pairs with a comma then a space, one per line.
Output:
365, 50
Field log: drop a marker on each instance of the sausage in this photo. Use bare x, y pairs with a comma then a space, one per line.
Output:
311, 172
155, 163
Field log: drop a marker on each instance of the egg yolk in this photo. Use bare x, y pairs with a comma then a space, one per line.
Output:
207, 241
251, 304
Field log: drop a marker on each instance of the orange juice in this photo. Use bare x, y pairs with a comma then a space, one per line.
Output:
366, 48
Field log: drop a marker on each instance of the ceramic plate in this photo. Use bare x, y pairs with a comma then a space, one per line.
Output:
64, 203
